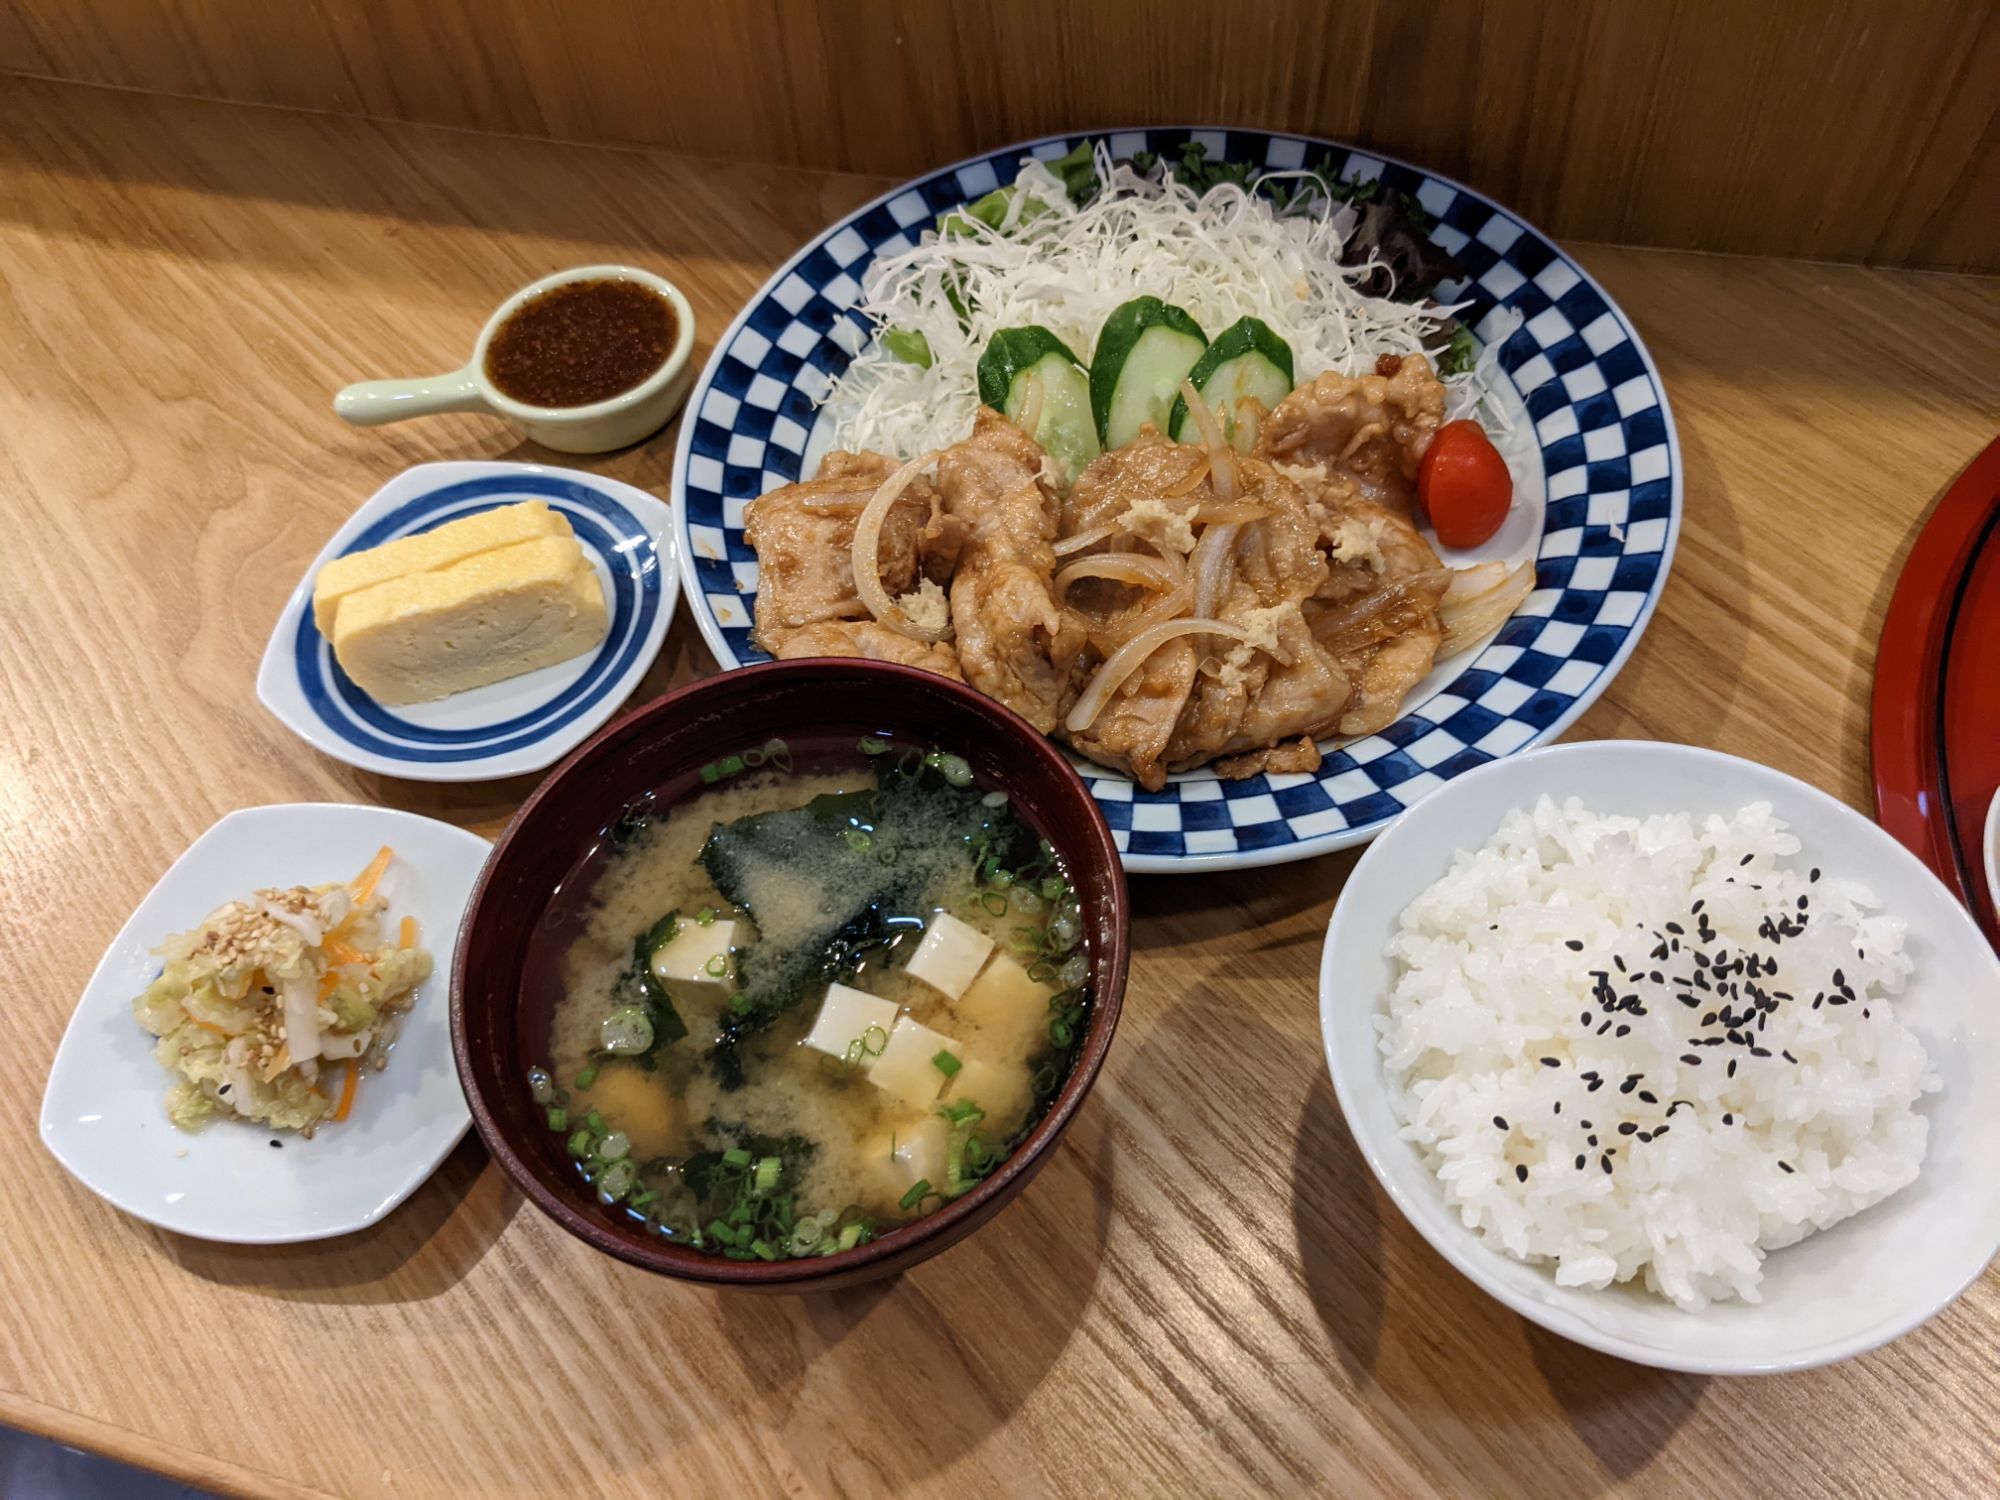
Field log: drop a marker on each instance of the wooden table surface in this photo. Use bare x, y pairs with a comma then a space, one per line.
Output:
1204, 1293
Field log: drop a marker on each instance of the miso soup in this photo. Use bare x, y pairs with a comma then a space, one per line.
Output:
817, 999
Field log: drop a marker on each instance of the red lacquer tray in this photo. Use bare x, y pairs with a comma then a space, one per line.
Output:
1936, 712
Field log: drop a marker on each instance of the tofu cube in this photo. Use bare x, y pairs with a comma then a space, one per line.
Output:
949, 957
897, 1160
847, 1016
683, 964
1002, 1089
907, 1071
1010, 1010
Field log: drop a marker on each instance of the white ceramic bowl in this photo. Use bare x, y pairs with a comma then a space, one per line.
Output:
617, 422
1836, 1294
103, 1116
1993, 850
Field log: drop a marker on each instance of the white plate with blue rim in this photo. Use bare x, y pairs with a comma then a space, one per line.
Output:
104, 1115
525, 723
1598, 495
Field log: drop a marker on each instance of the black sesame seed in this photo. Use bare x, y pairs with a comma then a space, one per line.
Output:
1690, 1059
1760, 1051
1787, 1056
1591, 1141
1619, 962
1520, 1174
1660, 1130
1605, 1162
1583, 1019
1728, 1119
1802, 903
1732, 1067
1675, 928
1500, 1122
1839, 980
1645, 1135
1596, 1083
1574, 945
1647, 1096
1815, 873
1579, 1162
1600, 1031
1695, 910
1552, 1062
1623, 1031
1627, 1128
1746, 859
1559, 1106
1786, 1166
1628, 1085
277, 1145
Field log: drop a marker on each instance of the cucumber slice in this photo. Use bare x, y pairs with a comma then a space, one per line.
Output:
1144, 351
1246, 359
1065, 429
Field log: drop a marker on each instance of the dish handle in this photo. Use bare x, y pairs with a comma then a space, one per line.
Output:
373, 402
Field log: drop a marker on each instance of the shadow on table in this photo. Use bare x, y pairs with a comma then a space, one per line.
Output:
922, 1355
421, 1250
1445, 1348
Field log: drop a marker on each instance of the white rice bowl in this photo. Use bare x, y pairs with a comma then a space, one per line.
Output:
1516, 1101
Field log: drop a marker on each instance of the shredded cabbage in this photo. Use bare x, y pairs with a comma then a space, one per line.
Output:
1222, 255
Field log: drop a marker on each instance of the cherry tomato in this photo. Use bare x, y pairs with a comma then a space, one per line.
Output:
1463, 485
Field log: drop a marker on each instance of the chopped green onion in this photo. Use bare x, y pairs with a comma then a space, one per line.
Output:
946, 1064
558, 1117
851, 1236
579, 1144
594, 1123
978, 1152
859, 840
740, 1003
753, 758
778, 753
806, 1235
994, 799
705, 916
1054, 887
955, 769
643, 1197
626, 1030
736, 1156
1045, 1079
763, 1250
872, 746
994, 902
919, 1190
874, 1040
541, 1087
732, 765
617, 1181
721, 1232
1060, 1033
962, 1112
614, 1147
717, 966
709, 775
587, 1077
767, 1174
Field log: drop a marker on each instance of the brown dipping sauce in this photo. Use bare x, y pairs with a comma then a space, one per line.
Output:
581, 342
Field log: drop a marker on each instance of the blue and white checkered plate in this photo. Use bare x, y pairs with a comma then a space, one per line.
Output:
525, 723
1597, 481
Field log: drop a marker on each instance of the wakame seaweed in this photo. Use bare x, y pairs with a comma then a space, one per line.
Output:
829, 882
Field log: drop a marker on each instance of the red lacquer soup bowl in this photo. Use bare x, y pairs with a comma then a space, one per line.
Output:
500, 1015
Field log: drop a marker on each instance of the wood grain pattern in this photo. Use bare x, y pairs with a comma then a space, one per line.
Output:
1833, 129
1204, 1293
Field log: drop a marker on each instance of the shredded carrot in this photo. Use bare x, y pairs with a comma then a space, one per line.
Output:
327, 984
409, 933
204, 1025
341, 951
364, 884
341, 1110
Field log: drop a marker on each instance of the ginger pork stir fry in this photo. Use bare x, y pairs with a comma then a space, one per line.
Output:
1184, 604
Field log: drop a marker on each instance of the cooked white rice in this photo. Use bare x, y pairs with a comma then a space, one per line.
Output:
1512, 1079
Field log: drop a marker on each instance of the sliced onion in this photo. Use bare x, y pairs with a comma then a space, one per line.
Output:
1129, 657
1210, 563
1122, 567
1249, 421
307, 927
1221, 457
1479, 601
1189, 483
1082, 539
1233, 510
866, 555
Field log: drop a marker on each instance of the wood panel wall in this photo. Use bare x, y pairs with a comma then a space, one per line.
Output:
1839, 129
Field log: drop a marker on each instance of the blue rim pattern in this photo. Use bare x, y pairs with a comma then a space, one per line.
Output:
601, 524
1608, 451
